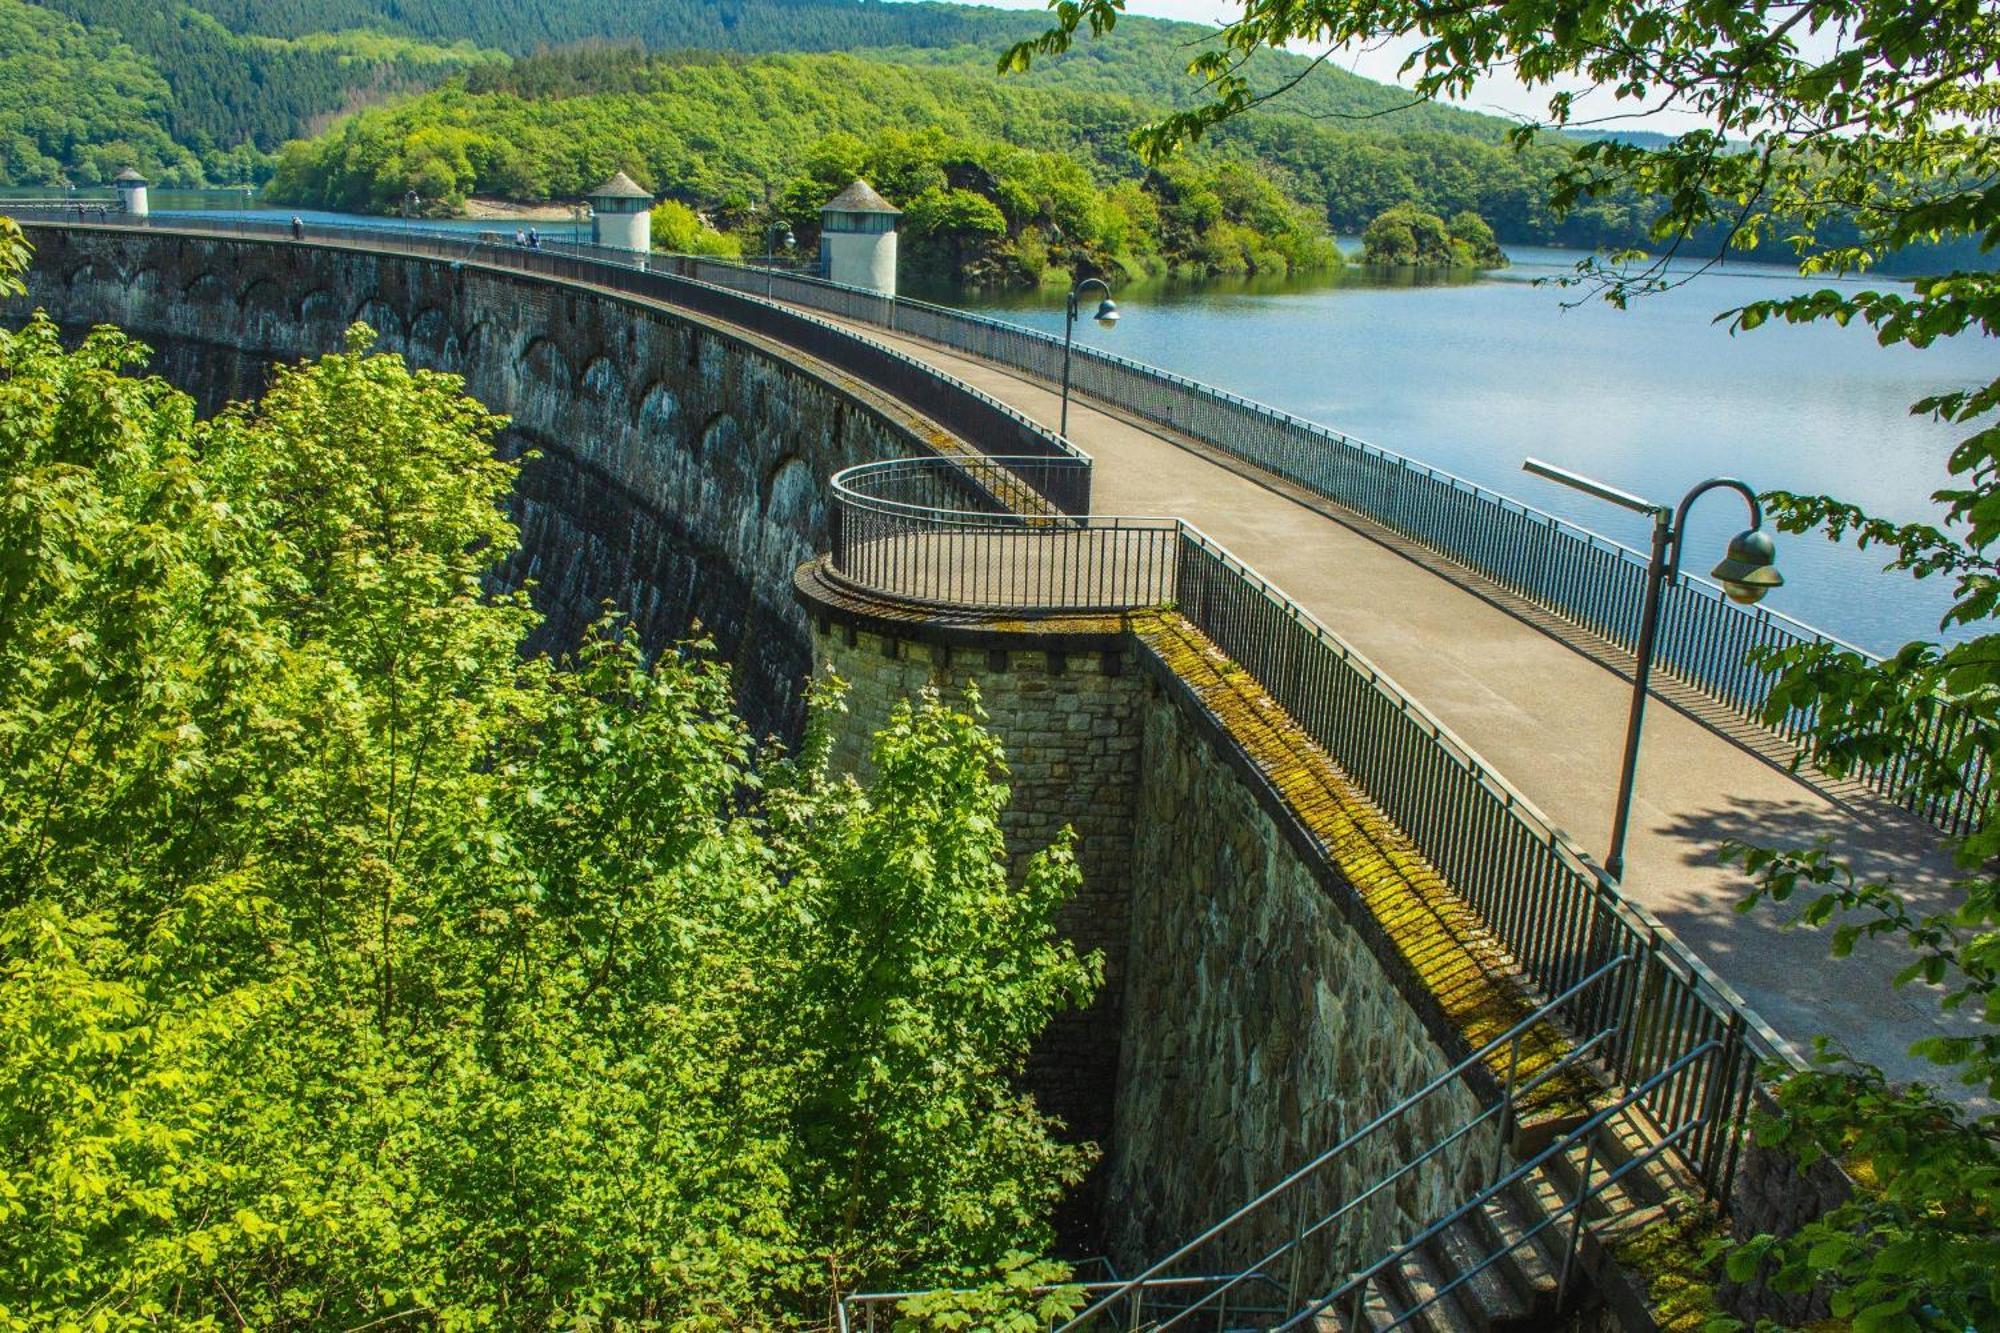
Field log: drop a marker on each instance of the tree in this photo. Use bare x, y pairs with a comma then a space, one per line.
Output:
1852, 131
357, 969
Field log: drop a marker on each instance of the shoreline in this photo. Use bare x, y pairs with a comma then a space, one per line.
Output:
507, 210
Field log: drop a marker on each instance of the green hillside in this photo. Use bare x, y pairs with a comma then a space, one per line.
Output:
228, 81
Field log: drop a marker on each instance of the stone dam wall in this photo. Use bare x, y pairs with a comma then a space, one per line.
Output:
1247, 1022
682, 469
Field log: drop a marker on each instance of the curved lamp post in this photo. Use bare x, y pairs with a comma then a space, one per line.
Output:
1747, 572
1107, 315
771, 250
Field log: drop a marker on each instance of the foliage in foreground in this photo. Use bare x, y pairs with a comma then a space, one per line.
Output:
356, 970
1856, 132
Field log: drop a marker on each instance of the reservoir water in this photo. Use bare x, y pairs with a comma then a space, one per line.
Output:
1474, 375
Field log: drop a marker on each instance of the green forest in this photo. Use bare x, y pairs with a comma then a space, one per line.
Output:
358, 969
1003, 182
205, 90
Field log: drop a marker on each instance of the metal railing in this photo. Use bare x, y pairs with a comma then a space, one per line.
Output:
952, 531
989, 425
1571, 1213
860, 1312
1705, 640
1317, 1225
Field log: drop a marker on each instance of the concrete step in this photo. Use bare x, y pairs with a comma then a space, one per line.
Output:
1489, 1296
1375, 1315
1419, 1280
1505, 1223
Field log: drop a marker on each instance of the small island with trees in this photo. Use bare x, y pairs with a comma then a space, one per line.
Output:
1405, 236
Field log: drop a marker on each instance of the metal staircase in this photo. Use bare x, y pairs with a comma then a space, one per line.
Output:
1551, 1162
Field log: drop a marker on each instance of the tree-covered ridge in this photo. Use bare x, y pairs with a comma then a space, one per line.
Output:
77, 103
1003, 181
242, 76
167, 91
357, 970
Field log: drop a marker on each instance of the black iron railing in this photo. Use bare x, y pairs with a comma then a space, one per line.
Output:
953, 532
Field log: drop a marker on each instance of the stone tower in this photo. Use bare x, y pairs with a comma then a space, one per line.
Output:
857, 239
622, 217
132, 193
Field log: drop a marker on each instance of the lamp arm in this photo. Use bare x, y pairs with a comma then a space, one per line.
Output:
1078, 290
1687, 503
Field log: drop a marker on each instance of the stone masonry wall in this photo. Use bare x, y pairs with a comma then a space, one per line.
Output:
1262, 1030
1246, 1025
682, 470
1071, 729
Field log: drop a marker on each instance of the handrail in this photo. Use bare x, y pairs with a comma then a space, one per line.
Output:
871, 1299
1510, 1038
1357, 1284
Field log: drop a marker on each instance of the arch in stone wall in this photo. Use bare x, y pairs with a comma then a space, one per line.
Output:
541, 357
658, 410
261, 293
380, 316
602, 382
787, 494
319, 303
430, 327
720, 439
204, 286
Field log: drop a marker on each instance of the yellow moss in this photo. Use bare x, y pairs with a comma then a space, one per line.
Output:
1666, 1256
1434, 930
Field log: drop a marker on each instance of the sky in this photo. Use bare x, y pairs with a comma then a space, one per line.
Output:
1499, 96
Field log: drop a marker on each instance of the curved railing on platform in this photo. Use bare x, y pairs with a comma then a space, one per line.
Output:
952, 532
939, 532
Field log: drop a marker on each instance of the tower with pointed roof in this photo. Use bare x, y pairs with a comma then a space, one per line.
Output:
621, 215
132, 192
857, 239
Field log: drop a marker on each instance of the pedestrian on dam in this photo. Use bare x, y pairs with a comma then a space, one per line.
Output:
298, 227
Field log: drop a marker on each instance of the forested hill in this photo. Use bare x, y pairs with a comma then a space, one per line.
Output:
221, 83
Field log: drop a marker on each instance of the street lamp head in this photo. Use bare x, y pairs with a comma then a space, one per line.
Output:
790, 240
1750, 569
1107, 312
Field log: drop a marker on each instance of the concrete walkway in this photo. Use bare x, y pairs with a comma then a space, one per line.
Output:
1551, 719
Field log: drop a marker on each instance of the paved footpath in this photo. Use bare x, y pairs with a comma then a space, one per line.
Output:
1548, 717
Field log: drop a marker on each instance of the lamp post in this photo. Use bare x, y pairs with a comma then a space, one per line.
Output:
1107, 315
771, 250
1747, 572
578, 215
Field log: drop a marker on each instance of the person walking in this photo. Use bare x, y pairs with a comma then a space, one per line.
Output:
534, 239
298, 227
520, 237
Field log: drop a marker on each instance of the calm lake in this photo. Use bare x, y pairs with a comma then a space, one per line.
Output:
1473, 376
